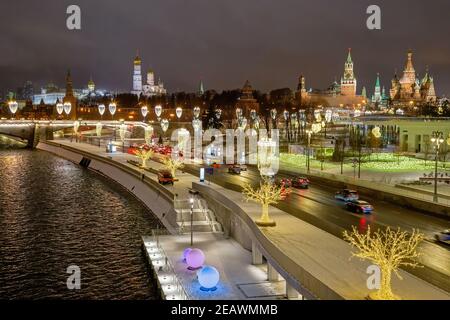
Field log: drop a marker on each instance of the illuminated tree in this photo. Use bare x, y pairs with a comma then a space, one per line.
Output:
173, 165
267, 194
143, 155
389, 250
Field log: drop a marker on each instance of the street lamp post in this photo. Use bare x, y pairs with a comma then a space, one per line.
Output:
193, 194
13, 106
308, 132
437, 139
191, 201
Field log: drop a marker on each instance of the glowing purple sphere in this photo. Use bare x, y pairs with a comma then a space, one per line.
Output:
185, 253
195, 258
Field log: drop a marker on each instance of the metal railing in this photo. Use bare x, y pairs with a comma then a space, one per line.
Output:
168, 267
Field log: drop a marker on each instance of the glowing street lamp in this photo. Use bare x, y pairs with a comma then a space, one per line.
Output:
164, 125
238, 113
101, 110
179, 112
218, 113
67, 107
197, 112
13, 106
158, 111
242, 123
437, 138
253, 114
59, 108
144, 111
112, 109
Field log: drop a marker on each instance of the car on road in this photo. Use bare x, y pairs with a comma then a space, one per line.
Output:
300, 183
165, 177
443, 236
234, 169
243, 167
347, 195
285, 182
359, 206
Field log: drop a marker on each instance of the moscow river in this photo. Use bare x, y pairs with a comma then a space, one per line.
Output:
55, 214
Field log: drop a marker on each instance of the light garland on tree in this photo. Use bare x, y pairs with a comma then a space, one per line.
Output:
389, 250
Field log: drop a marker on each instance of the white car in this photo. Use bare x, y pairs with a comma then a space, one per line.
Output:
443, 236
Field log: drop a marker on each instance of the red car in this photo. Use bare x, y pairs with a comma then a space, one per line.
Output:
300, 183
165, 177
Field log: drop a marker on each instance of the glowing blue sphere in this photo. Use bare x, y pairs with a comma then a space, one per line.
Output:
195, 258
208, 277
185, 253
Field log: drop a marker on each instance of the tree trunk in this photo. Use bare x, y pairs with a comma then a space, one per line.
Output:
385, 292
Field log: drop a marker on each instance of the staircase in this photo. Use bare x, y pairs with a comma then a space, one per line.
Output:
203, 218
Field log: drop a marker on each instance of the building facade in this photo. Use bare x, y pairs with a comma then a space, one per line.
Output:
409, 89
150, 87
343, 94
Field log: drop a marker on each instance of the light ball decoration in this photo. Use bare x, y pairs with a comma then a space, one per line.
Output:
195, 258
208, 277
59, 108
179, 112
67, 107
101, 109
112, 108
197, 112
185, 253
148, 134
238, 113
164, 125
158, 111
98, 129
144, 111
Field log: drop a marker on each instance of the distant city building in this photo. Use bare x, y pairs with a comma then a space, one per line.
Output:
246, 101
149, 88
337, 94
51, 94
410, 89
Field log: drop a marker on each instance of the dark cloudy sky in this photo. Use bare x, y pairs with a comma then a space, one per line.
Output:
223, 42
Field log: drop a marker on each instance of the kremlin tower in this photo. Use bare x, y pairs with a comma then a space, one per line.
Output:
348, 81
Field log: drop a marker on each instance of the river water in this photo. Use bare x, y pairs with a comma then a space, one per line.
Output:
54, 214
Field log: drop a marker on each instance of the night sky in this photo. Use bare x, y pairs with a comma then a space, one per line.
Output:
223, 42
